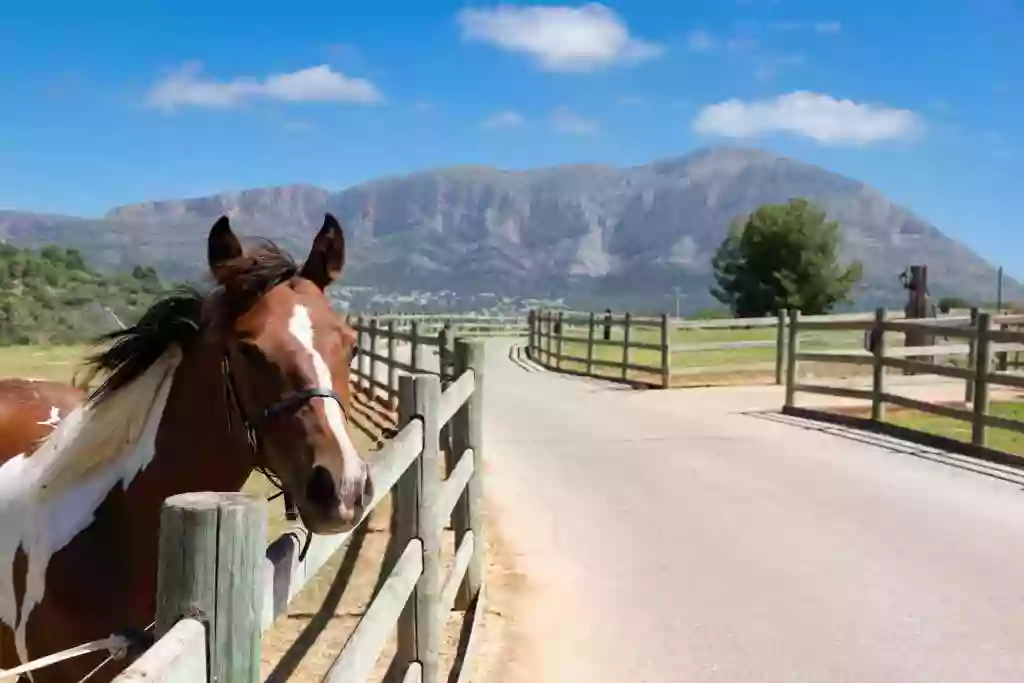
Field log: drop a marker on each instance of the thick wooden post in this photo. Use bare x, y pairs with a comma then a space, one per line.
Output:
780, 346
361, 361
371, 387
467, 435
878, 368
981, 370
606, 334
531, 333
392, 369
590, 344
558, 345
442, 355
414, 345
625, 346
792, 348
666, 352
211, 569
419, 628
972, 355
548, 334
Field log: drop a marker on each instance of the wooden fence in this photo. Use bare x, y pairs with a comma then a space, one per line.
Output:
655, 351
978, 355
457, 324
220, 587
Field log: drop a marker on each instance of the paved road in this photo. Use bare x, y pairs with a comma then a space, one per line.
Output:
669, 536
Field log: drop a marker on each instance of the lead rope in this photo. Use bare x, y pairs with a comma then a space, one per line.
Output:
120, 645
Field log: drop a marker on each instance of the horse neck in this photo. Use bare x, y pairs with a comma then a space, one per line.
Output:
200, 446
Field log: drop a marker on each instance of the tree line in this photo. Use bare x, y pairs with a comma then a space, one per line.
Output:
52, 296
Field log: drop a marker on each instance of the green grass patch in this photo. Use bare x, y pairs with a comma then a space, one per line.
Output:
56, 362
998, 439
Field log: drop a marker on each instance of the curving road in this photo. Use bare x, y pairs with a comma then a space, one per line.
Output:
676, 536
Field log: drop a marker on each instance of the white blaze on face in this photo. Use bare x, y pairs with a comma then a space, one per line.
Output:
301, 327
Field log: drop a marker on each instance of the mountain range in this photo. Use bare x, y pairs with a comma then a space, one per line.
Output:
622, 237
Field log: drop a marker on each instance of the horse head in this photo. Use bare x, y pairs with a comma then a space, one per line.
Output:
286, 358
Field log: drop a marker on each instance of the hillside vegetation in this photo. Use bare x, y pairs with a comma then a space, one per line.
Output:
51, 296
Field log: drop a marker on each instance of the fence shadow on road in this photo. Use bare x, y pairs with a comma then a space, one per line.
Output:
294, 655
898, 446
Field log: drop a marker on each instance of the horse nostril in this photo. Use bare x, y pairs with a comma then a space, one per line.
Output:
321, 489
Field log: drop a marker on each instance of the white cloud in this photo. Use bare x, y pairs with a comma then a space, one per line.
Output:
820, 117
828, 27
503, 119
700, 41
186, 87
423, 106
567, 121
298, 126
559, 38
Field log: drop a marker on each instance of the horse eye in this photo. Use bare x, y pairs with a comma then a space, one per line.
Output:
250, 352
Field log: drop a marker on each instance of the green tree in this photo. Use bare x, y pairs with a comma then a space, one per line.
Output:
782, 256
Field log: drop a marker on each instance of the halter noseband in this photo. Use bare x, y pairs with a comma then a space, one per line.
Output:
288, 404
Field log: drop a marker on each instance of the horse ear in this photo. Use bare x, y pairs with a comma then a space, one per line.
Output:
222, 245
327, 257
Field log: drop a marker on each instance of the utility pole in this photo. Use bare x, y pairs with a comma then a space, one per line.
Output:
999, 291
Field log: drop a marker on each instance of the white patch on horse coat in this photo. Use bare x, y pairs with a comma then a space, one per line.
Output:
49, 496
54, 418
301, 327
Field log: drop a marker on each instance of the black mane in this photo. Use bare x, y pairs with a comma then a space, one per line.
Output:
179, 317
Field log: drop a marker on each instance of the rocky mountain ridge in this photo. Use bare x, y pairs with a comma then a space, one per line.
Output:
582, 231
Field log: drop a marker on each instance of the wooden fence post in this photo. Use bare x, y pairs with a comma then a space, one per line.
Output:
211, 568
414, 346
780, 345
531, 331
1002, 358
972, 348
419, 627
607, 332
590, 344
392, 370
666, 352
878, 368
362, 360
442, 355
371, 387
981, 370
792, 348
467, 434
558, 345
625, 346
548, 335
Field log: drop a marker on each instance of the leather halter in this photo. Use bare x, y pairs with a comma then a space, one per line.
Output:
288, 404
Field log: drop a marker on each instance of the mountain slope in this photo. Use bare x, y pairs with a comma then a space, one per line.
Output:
617, 234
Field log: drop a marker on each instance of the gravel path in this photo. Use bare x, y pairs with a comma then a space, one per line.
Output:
673, 536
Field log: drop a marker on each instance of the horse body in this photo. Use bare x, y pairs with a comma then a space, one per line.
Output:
29, 411
79, 515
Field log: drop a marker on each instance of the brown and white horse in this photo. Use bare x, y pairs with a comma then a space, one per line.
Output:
32, 408
206, 387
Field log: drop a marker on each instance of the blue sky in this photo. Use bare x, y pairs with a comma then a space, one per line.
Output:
106, 103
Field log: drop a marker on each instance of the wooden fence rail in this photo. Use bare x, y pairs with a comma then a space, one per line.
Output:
217, 572
980, 371
652, 351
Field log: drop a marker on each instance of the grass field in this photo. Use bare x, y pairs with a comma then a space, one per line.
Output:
43, 362
998, 439
693, 364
